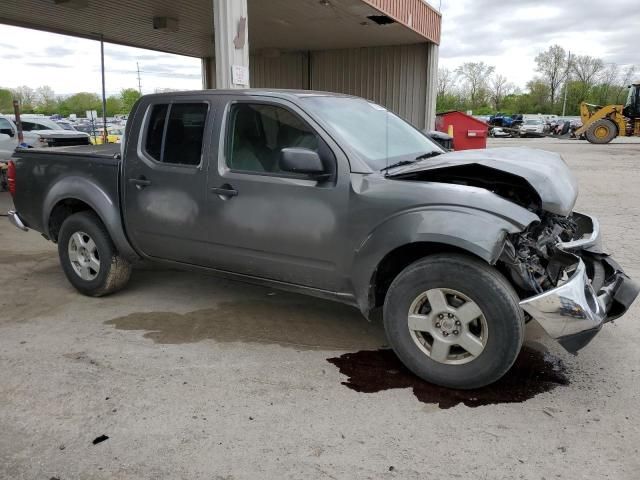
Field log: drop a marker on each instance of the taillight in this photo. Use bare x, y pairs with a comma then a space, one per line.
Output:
11, 177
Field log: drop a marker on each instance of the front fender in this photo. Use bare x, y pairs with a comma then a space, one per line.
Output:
84, 190
476, 231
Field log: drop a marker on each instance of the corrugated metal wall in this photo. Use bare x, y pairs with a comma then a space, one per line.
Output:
394, 76
287, 70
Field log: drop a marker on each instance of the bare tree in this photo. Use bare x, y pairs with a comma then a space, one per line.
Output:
625, 80
587, 71
45, 99
608, 81
446, 81
552, 64
500, 88
25, 95
476, 76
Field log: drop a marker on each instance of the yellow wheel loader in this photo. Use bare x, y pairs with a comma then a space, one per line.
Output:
603, 124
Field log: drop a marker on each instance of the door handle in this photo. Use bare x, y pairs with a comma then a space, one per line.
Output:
140, 182
226, 191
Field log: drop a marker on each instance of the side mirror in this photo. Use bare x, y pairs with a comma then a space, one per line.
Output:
301, 160
7, 131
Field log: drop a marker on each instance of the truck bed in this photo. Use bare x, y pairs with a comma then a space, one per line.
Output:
108, 151
44, 176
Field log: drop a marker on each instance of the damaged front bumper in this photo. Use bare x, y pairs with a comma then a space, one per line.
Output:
574, 312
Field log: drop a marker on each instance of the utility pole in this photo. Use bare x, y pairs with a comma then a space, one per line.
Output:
566, 85
139, 81
104, 92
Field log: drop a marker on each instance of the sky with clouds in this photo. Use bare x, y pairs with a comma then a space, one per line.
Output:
69, 64
507, 34
510, 33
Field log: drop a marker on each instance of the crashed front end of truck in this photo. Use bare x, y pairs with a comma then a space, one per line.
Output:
557, 264
576, 287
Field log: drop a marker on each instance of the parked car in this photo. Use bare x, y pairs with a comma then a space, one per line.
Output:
533, 127
114, 135
499, 132
40, 132
333, 196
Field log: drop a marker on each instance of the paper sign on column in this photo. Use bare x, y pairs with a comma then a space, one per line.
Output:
240, 75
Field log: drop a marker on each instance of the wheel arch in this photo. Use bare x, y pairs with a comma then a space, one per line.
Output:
405, 239
76, 194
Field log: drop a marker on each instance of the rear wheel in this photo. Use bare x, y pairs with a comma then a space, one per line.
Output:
89, 258
602, 131
454, 321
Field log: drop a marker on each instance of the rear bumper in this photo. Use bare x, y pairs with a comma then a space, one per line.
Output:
15, 219
574, 312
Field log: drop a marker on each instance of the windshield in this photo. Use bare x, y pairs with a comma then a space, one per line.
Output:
378, 136
533, 122
65, 125
630, 97
43, 123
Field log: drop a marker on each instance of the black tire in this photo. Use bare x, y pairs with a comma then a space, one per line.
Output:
602, 131
482, 284
114, 271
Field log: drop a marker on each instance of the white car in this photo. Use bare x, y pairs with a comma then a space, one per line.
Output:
533, 127
37, 132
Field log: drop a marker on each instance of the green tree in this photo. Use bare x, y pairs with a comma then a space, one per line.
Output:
114, 106
80, 103
518, 103
129, 96
6, 101
539, 95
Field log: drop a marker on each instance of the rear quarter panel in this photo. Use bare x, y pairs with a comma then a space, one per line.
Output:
43, 178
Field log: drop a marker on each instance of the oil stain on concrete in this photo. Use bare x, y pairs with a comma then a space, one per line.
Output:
316, 325
535, 371
306, 325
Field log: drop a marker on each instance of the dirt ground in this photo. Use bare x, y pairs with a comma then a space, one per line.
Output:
191, 377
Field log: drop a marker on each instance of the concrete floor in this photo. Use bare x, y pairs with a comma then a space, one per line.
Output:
197, 378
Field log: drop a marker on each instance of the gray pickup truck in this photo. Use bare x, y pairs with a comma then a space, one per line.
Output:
334, 196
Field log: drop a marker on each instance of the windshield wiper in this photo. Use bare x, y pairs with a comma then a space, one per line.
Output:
399, 164
428, 155
411, 162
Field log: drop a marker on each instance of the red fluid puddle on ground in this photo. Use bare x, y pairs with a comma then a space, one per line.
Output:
533, 372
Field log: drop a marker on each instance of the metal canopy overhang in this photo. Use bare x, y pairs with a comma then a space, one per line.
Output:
289, 25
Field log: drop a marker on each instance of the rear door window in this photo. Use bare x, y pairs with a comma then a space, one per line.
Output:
155, 131
27, 126
175, 133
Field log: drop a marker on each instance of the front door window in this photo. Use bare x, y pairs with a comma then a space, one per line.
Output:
259, 132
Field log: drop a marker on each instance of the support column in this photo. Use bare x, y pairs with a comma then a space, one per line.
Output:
432, 85
208, 73
230, 18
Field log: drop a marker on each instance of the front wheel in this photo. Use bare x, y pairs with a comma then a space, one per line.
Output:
602, 131
454, 321
89, 258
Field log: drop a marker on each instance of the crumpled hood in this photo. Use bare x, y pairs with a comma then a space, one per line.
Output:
546, 172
